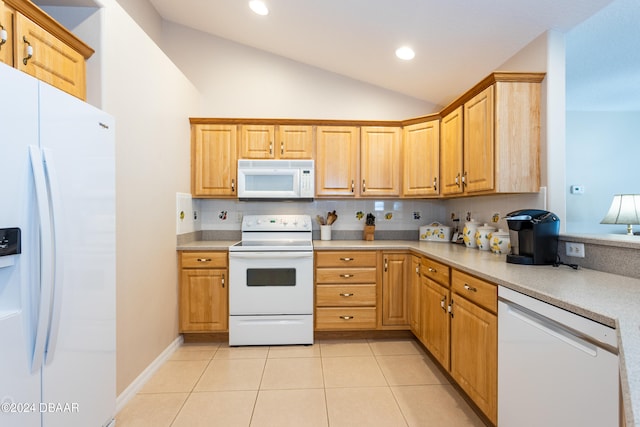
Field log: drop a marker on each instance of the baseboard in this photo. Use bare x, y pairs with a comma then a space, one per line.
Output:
137, 384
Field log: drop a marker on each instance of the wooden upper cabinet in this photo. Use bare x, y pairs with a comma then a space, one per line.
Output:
337, 150
214, 161
276, 142
44, 56
478, 142
295, 142
257, 142
6, 43
451, 153
380, 149
421, 150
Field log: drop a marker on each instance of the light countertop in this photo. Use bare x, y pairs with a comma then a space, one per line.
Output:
610, 299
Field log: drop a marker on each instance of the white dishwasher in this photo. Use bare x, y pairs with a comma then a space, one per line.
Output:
555, 368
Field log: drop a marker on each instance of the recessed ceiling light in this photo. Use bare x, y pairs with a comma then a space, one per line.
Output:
405, 52
259, 7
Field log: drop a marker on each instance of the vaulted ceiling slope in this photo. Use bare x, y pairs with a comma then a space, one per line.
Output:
457, 42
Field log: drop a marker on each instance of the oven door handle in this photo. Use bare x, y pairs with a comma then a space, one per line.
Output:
270, 255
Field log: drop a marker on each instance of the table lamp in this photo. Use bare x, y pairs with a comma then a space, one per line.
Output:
625, 209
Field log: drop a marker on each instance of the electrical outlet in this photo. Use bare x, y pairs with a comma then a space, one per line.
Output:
575, 249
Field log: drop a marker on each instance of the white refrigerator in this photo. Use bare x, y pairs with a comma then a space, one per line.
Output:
57, 295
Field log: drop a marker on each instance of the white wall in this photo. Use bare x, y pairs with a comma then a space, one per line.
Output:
239, 81
604, 159
132, 79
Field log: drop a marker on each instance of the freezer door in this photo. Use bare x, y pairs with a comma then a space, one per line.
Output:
78, 377
19, 278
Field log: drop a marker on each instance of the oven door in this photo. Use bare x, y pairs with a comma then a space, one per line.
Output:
262, 283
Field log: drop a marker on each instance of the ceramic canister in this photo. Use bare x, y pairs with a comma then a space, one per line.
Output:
500, 242
469, 232
482, 236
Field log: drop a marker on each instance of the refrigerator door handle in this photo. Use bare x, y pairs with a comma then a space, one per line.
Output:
58, 283
46, 257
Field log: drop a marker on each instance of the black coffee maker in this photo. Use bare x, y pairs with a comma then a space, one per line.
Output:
537, 237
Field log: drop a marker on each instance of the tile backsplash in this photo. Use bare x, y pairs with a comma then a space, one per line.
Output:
403, 215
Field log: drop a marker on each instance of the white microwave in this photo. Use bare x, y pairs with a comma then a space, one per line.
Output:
276, 179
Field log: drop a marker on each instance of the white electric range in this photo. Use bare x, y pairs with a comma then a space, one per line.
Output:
271, 281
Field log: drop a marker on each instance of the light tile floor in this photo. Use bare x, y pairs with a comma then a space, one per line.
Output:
354, 383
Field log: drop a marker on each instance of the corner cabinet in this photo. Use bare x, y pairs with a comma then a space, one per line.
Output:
491, 137
214, 160
421, 152
43, 48
203, 291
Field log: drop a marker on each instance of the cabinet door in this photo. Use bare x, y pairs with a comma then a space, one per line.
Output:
6, 43
395, 279
257, 142
296, 142
414, 296
434, 319
474, 348
337, 149
380, 161
478, 142
451, 153
203, 300
213, 160
51, 60
421, 148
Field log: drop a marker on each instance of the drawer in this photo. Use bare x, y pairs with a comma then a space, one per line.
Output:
435, 271
346, 275
346, 318
345, 295
476, 290
346, 259
204, 259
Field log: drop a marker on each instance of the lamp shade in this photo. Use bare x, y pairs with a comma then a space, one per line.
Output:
625, 209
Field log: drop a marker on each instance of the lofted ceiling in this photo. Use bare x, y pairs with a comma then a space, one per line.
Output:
457, 42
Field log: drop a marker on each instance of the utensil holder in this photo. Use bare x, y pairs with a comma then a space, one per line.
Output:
325, 232
369, 231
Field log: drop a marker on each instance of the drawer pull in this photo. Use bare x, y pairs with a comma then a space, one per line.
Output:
346, 295
432, 270
203, 259
346, 259
443, 304
470, 288
3, 35
346, 276
346, 317
28, 51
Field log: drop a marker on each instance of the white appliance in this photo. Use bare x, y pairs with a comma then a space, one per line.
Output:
57, 296
555, 368
276, 179
271, 282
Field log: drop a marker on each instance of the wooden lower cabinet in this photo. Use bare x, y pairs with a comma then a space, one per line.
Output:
474, 340
434, 299
395, 278
203, 292
414, 297
346, 290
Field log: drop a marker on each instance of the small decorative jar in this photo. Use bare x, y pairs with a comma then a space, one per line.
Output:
500, 242
482, 236
469, 232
